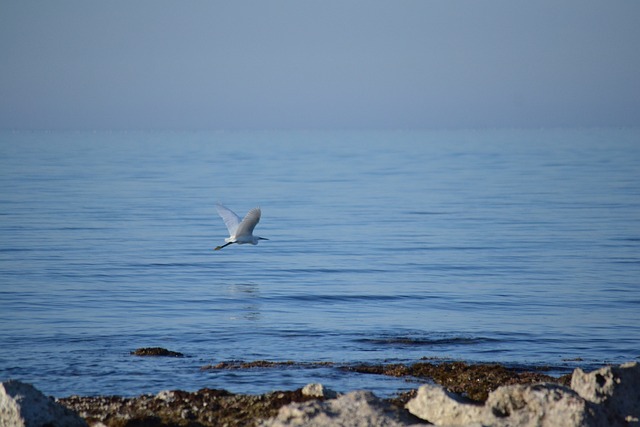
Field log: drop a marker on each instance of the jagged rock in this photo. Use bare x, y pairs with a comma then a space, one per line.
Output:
355, 409
615, 388
440, 407
543, 405
22, 405
540, 405
318, 390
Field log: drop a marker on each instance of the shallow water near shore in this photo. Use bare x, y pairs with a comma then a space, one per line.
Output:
510, 246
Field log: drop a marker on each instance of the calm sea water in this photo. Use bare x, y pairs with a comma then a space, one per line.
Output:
520, 247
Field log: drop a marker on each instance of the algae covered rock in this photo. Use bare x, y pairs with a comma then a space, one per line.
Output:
156, 352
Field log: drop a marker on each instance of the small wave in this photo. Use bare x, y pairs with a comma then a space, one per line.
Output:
427, 213
347, 298
628, 239
162, 264
626, 261
16, 250
426, 341
335, 270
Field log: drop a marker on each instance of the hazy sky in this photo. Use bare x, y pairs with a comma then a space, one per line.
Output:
260, 64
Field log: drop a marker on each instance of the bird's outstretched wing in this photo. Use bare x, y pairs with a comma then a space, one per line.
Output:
231, 220
249, 222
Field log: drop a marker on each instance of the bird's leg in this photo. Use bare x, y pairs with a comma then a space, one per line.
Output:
217, 248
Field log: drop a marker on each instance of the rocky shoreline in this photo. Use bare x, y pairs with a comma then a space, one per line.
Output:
455, 393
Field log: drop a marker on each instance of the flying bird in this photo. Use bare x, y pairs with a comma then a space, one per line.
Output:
240, 232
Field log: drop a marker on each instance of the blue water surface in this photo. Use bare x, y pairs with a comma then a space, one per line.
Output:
513, 246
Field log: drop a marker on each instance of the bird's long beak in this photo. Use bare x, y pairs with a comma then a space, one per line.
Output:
262, 238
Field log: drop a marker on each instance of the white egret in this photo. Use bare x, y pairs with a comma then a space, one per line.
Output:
240, 232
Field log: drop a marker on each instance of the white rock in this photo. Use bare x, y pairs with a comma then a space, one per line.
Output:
166, 395
615, 388
318, 390
355, 409
436, 405
22, 405
541, 405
